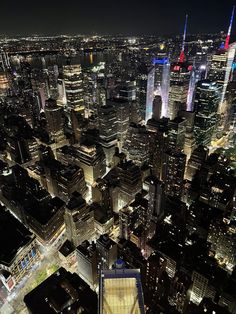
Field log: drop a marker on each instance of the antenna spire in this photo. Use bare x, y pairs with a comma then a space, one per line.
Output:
182, 55
229, 30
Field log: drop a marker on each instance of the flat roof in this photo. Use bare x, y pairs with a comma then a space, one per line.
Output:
121, 292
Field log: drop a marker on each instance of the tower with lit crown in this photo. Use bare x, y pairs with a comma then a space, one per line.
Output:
180, 87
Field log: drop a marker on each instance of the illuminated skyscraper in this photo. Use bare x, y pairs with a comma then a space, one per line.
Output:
108, 131
173, 173
179, 87
79, 220
4, 84
122, 109
61, 92
136, 146
176, 133
107, 251
150, 94
54, 117
74, 87
87, 263
192, 85
190, 141
162, 82
207, 100
182, 82
4, 60
221, 65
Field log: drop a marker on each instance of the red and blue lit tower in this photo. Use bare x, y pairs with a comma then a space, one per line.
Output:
182, 54
229, 30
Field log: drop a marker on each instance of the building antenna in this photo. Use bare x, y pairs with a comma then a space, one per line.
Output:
182, 55
229, 30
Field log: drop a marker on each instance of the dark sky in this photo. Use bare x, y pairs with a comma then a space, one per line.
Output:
112, 17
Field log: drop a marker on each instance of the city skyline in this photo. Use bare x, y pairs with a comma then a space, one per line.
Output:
118, 158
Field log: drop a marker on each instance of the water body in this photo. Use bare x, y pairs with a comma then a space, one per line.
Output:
85, 59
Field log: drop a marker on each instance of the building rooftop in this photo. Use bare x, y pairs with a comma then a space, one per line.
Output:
105, 241
67, 248
62, 292
76, 201
44, 213
13, 236
121, 292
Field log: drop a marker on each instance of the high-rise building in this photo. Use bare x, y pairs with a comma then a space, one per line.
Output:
18, 149
162, 82
173, 173
92, 160
221, 65
206, 103
198, 157
125, 215
18, 249
156, 267
88, 263
4, 84
176, 133
107, 251
74, 87
157, 108
122, 109
120, 291
88, 156
156, 199
101, 194
61, 92
150, 93
158, 131
62, 292
141, 86
179, 88
55, 121
136, 146
79, 220
130, 182
68, 180
190, 141
108, 131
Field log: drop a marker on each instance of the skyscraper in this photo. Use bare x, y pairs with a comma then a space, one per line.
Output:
156, 199
55, 121
88, 263
122, 109
4, 84
221, 65
74, 87
173, 173
150, 93
79, 220
136, 146
206, 103
176, 133
108, 131
107, 251
179, 87
162, 80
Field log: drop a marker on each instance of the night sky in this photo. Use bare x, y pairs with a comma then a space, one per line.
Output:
50, 17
